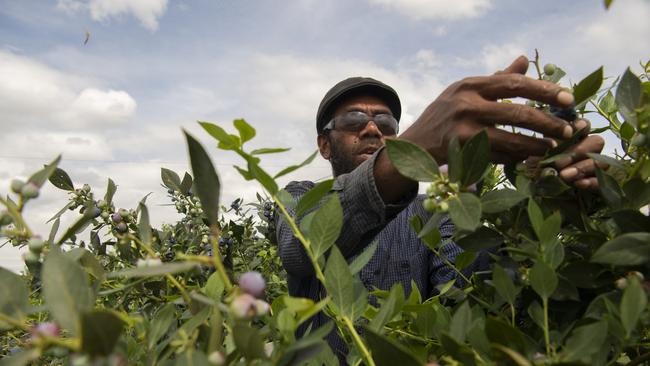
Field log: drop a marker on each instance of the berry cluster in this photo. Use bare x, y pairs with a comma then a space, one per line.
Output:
438, 194
248, 304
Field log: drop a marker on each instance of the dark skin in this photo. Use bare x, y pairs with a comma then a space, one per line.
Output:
464, 109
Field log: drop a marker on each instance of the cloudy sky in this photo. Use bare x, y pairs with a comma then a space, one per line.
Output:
114, 107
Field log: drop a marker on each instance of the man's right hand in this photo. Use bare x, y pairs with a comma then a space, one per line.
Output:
470, 105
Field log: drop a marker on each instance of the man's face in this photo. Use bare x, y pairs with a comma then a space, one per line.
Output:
346, 150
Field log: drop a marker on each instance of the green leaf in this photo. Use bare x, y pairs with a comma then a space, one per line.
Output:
42, 175
476, 157
248, 341
464, 259
543, 279
21, 358
292, 168
504, 285
214, 287
206, 179
628, 96
391, 306
629, 221
326, 226
156, 270
607, 160
633, 303
100, 330
460, 322
637, 192
550, 229
607, 103
500, 200
608, 3
387, 352
557, 75
504, 334
75, 228
340, 284
459, 351
65, 290
88, 261
246, 131
586, 340
610, 189
363, 258
313, 196
515, 356
63, 210
13, 296
274, 150
411, 160
60, 179
535, 216
588, 86
111, 188
144, 228
226, 140
192, 357
465, 211
186, 184
483, 238
626, 131
629, 249
263, 177
160, 324
454, 160
170, 179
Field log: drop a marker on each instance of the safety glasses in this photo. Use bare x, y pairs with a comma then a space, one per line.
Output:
356, 121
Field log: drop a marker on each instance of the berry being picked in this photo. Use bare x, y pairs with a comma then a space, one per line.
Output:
29, 190
36, 244
430, 204
549, 69
93, 212
243, 307
262, 307
252, 283
567, 114
17, 185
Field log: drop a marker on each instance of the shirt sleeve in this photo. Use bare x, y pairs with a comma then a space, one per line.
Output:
364, 215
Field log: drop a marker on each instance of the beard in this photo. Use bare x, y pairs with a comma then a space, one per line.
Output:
344, 160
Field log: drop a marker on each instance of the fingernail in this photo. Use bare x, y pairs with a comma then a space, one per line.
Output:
569, 173
567, 132
562, 162
552, 142
583, 183
564, 97
580, 124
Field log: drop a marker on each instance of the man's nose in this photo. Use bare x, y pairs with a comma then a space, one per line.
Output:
371, 130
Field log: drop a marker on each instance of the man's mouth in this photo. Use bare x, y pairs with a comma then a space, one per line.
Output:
368, 150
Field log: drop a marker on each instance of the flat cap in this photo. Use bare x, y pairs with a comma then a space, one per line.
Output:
355, 86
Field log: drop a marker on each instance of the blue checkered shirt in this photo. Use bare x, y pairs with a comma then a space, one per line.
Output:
400, 256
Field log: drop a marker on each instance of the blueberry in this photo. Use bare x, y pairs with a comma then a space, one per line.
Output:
170, 191
170, 255
243, 307
567, 114
117, 218
236, 204
121, 227
252, 283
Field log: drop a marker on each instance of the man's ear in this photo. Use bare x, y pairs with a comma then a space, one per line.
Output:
324, 146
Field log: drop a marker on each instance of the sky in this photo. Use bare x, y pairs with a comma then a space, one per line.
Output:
115, 106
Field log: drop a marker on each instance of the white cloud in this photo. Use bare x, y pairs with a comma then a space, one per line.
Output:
498, 57
33, 94
146, 11
436, 9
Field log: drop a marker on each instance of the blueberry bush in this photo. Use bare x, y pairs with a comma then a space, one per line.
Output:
566, 284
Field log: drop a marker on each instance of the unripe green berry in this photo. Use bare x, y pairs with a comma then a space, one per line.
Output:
444, 206
17, 185
217, 358
429, 204
432, 191
86, 188
105, 215
29, 191
31, 257
548, 172
638, 140
5, 218
101, 204
549, 69
36, 244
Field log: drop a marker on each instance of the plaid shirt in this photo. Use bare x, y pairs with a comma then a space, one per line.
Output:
400, 256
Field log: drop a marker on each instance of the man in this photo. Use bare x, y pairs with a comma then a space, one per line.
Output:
353, 121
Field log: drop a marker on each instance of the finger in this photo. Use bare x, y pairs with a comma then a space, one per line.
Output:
581, 170
588, 183
516, 85
590, 144
518, 66
510, 147
520, 115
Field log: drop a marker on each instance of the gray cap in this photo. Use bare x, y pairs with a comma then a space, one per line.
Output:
354, 86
